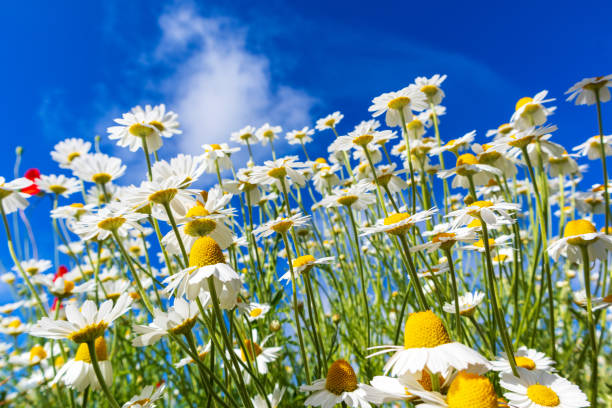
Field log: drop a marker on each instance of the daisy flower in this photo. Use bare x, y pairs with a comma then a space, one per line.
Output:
468, 166
83, 324
428, 345
109, 219
149, 124
242, 184
268, 133
160, 193
467, 303
281, 225
577, 234
98, 168
206, 260
179, 319
13, 326
218, 156
58, 184
300, 136
78, 373
146, 398
11, 198
245, 136
527, 358
34, 266
274, 398
303, 264
340, 386
202, 353
36, 355
326, 178
275, 172
185, 167
536, 389
493, 213
398, 223
455, 145
67, 150
531, 111
586, 91
330, 121
592, 147
431, 87
445, 236
258, 354
357, 196
396, 104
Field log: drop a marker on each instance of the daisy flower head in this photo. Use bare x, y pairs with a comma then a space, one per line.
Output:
398, 105
160, 194
494, 243
218, 155
455, 145
110, 219
467, 167
339, 386
258, 354
531, 112
268, 133
398, 223
431, 87
206, 260
78, 373
256, 311
34, 266
579, 234
38, 354
14, 326
186, 168
11, 197
357, 197
245, 136
67, 150
304, 264
444, 236
300, 136
83, 324
276, 172
492, 213
148, 125
179, 320
58, 184
147, 398
526, 358
330, 121
503, 130
98, 168
536, 389
281, 225
588, 90
427, 345
467, 303
592, 147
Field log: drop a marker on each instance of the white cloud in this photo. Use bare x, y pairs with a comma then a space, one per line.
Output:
219, 85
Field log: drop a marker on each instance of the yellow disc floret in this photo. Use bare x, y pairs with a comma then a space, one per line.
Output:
340, 378
82, 353
37, 353
200, 226
543, 395
471, 391
525, 362
424, 329
205, 251
575, 228
396, 219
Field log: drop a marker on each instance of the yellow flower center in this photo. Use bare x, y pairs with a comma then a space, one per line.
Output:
277, 173
37, 353
90, 332
32, 270
480, 243
82, 353
424, 329
414, 125
163, 196
504, 128
73, 156
500, 258
57, 188
205, 251
246, 136
111, 224
395, 219
304, 260
202, 226
268, 134
141, 130
363, 140
543, 395
256, 312
141, 402
576, 228
466, 159
340, 378
101, 178
330, 122
471, 391
282, 226
185, 327
321, 160
68, 287
15, 323
399, 103
77, 205
252, 349
429, 90
348, 200
525, 362
522, 102
158, 125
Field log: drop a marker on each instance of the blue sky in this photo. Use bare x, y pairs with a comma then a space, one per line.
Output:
70, 67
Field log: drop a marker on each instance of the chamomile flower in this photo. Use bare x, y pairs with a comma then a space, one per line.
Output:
592, 147
536, 389
357, 197
531, 112
217, 156
431, 87
98, 168
276, 172
202, 353
427, 345
396, 104
493, 213
468, 167
268, 133
112, 218
58, 184
147, 398
577, 234
34, 266
300, 136
527, 358
184, 167
255, 311
445, 236
303, 264
245, 136
85, 324
11, 197
67, 150
467, 303
274, 398
339, 386
398, 223
258, 354
13, 326
36, 355
146, 125
281, 225
586, 91
330, 121
179, 319
78, 373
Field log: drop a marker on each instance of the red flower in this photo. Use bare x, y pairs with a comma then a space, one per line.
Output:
61, 271
33, 175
